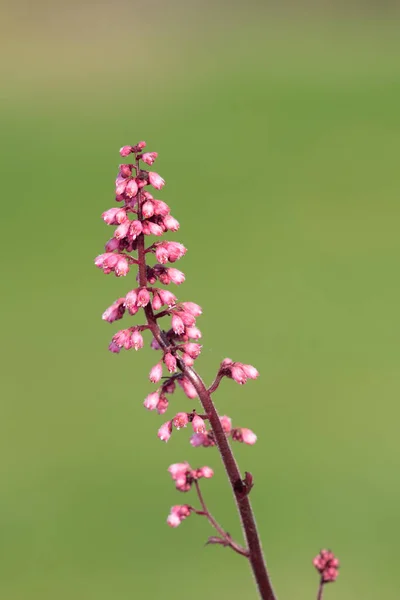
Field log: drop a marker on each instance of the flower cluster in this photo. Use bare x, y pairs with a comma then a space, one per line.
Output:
327, 565
184, 475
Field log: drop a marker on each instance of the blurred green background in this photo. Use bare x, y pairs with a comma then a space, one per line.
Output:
279, 135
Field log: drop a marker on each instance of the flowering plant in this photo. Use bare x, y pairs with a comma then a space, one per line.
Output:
139, 216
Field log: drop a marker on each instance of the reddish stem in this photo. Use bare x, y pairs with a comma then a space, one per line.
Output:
320, 589
229, 541
249, 526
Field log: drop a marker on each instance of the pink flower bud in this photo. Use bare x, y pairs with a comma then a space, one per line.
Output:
226, 363
178, 514
187, 387
123, 339
149, 157
170, 223
156, 181
176, 276
131, 188
120, 187
156, 302
160, 208
170, 362
327, 564
202, 439
250, 371
135, 229
155, 345
162, 405
192, 308
156, 373
122, 230
137, 340
126, 150
131, 299
139, 146
180, 420
150, 228
178, 470
188, 319
122, 267
167, 297
113, 347
238, 374
112, 245
241, 434
120, 215
125, 171
115, 311
226, 423
177, 324
198, 424
148, 209
109, 216
165, 431
151, 401
169, 386
143, 297
206, 472
187, 360
192, 349
193, 332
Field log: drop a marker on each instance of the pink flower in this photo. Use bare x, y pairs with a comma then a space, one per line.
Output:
109, 216
187, 387
250, 371
241, 434
187, 360
123, 339
180, 420
238, 374
178, 470
165, 431
198, 424
193, 332
170, 362
135, 229
169, 252
113, 347
192, 308
162, 405
167, 297
148, 209
156, 302
161, 208
156, 180
156, 373
139, 146
143, 297
206, 472
137, 339
177, 324
178, 514
125, 171
176, 276
115, 311
111, 245
192, 349
226, 423
328, 565
151, 401
202, 439
122, 267
149, 157
122, 230
150, 228
131, 299
131, 188
126, 150
170, 223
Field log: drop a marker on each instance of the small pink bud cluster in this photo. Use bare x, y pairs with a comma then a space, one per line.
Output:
237, 371
184, 475
327, 565
238, 434
178, 514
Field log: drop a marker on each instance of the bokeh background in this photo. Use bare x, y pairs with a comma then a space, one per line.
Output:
278, 129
